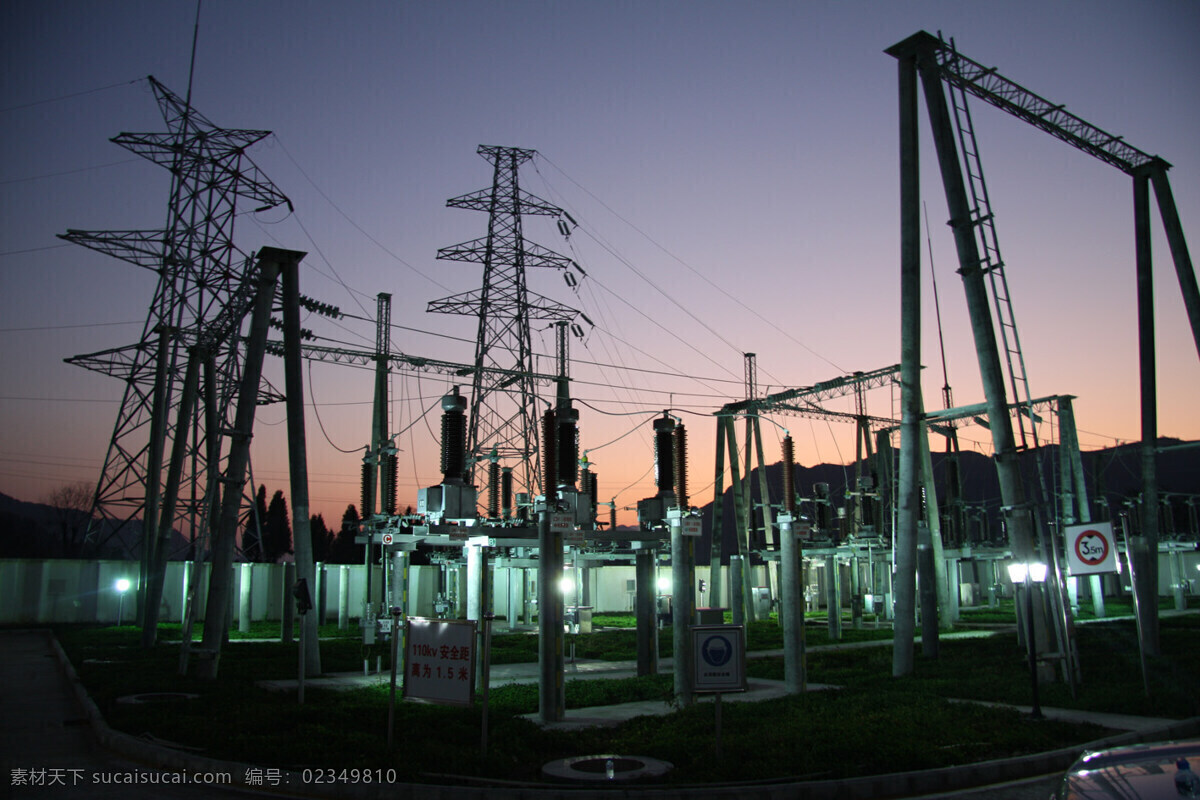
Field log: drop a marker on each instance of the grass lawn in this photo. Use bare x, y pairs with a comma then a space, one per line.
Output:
874, 724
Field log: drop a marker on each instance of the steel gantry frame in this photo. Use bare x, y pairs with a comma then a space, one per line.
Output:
204, 283
932, 61
802, 401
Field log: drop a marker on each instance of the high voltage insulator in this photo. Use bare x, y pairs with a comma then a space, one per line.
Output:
681, 490
366, 496
567, 450
454, 437
317, 307
493, 508
587, 485
548, 452
305, 333
664, 460
390, 474
506, 483
789, 476
612, 515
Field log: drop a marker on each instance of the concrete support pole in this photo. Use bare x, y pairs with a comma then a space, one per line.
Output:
217, 609
736, 591
833, 597
739, 584
1145, 545
908, 499
1177, 580
289, 270
154, 462
856, 593
1075, 477
474, 566
526, 599
166, 522
1178, 245
344, 597
514, 608
927, 581
645, 611
320, 600
716, 587
765, 498
245, 597
551, 700
287, 632
933, 517
791, 608
683, 603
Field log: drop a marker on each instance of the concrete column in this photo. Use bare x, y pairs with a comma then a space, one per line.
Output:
320, 601
1177, 580
791, 608
908, 498
245, 588
288, 617
551, 701
833, 597
954, 589
344, 597
682, 603
474, 601
644, 605
737, 590
927, 581
1144, 547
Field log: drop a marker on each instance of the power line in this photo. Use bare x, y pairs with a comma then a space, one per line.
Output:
67, 172
694, 271
69, 96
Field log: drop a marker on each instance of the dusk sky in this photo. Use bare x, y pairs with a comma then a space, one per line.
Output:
733, 167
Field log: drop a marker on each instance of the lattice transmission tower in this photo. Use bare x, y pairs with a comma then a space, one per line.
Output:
503, 412
203, 290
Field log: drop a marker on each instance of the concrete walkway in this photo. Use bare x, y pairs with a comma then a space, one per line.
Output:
55, 744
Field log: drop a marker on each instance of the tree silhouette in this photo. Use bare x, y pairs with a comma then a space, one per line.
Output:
278, 536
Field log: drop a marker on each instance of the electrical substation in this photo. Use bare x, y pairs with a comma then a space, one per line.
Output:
519, 507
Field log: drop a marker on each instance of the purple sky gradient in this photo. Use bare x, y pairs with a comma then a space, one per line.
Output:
719, 156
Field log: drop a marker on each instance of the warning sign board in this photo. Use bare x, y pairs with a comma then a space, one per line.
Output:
439, 661
1091, 549
387, 539
692, 526
718, 658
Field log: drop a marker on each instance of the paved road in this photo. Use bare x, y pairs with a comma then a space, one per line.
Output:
47, 749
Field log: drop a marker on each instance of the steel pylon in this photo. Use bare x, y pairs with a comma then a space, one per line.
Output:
503, 403
204, 290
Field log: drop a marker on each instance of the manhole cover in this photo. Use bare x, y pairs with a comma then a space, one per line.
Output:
155, 697
606, 768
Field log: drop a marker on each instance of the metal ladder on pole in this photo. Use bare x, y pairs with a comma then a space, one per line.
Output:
991, 262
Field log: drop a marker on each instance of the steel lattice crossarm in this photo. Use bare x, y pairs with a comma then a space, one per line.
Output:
815, 394
526, 203
532, 255
978, 411
341, 355
1053, 118
817, 412
534, 305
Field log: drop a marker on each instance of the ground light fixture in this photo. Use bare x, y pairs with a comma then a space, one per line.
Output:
122, 586
1027, 574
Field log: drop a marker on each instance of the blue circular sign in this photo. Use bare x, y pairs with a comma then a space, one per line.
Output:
717, 650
